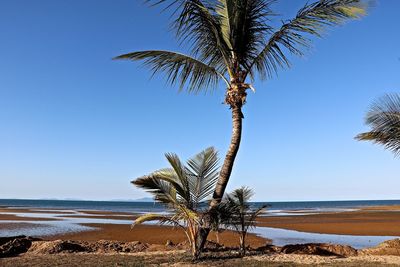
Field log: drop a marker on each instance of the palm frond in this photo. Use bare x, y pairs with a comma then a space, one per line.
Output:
235, 211
180, 69
187, 213
180, 171
241, 195
243, 25
384, 120
183, 187
384, 112
163, 184
203, 173
197, 26
162, 220
151, 217
312, 19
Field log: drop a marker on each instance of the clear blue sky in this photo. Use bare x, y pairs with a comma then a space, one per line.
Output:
75, 124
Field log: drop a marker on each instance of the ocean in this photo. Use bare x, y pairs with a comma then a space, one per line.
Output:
274, 208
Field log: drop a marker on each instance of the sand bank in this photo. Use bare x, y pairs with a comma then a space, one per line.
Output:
383, 222
152, 234
372, 221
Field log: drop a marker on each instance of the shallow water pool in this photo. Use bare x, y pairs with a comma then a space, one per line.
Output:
281, 237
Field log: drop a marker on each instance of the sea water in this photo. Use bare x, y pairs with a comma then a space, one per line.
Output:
274, 208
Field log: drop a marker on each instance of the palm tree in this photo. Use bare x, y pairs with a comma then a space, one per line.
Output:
183, 189
384, 120
236, 213
232, 41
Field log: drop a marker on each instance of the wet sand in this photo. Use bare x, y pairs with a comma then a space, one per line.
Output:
104, 212
12, 217
152, 234
39, 210
131, 217
17, 225
383, 208
63, 213
372, 221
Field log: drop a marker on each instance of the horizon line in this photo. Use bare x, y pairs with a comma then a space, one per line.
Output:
138, 200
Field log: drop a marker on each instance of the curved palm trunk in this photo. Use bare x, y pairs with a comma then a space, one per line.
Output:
227, 167
225, 173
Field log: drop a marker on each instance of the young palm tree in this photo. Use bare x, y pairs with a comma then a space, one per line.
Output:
183, 189
233, 41
384, 119
236, 213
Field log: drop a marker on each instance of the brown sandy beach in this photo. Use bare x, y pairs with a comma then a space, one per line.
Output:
367, 221
152, 234
382, 221
374, 221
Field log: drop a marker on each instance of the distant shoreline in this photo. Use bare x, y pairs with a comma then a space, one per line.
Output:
372, 220
149, 199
